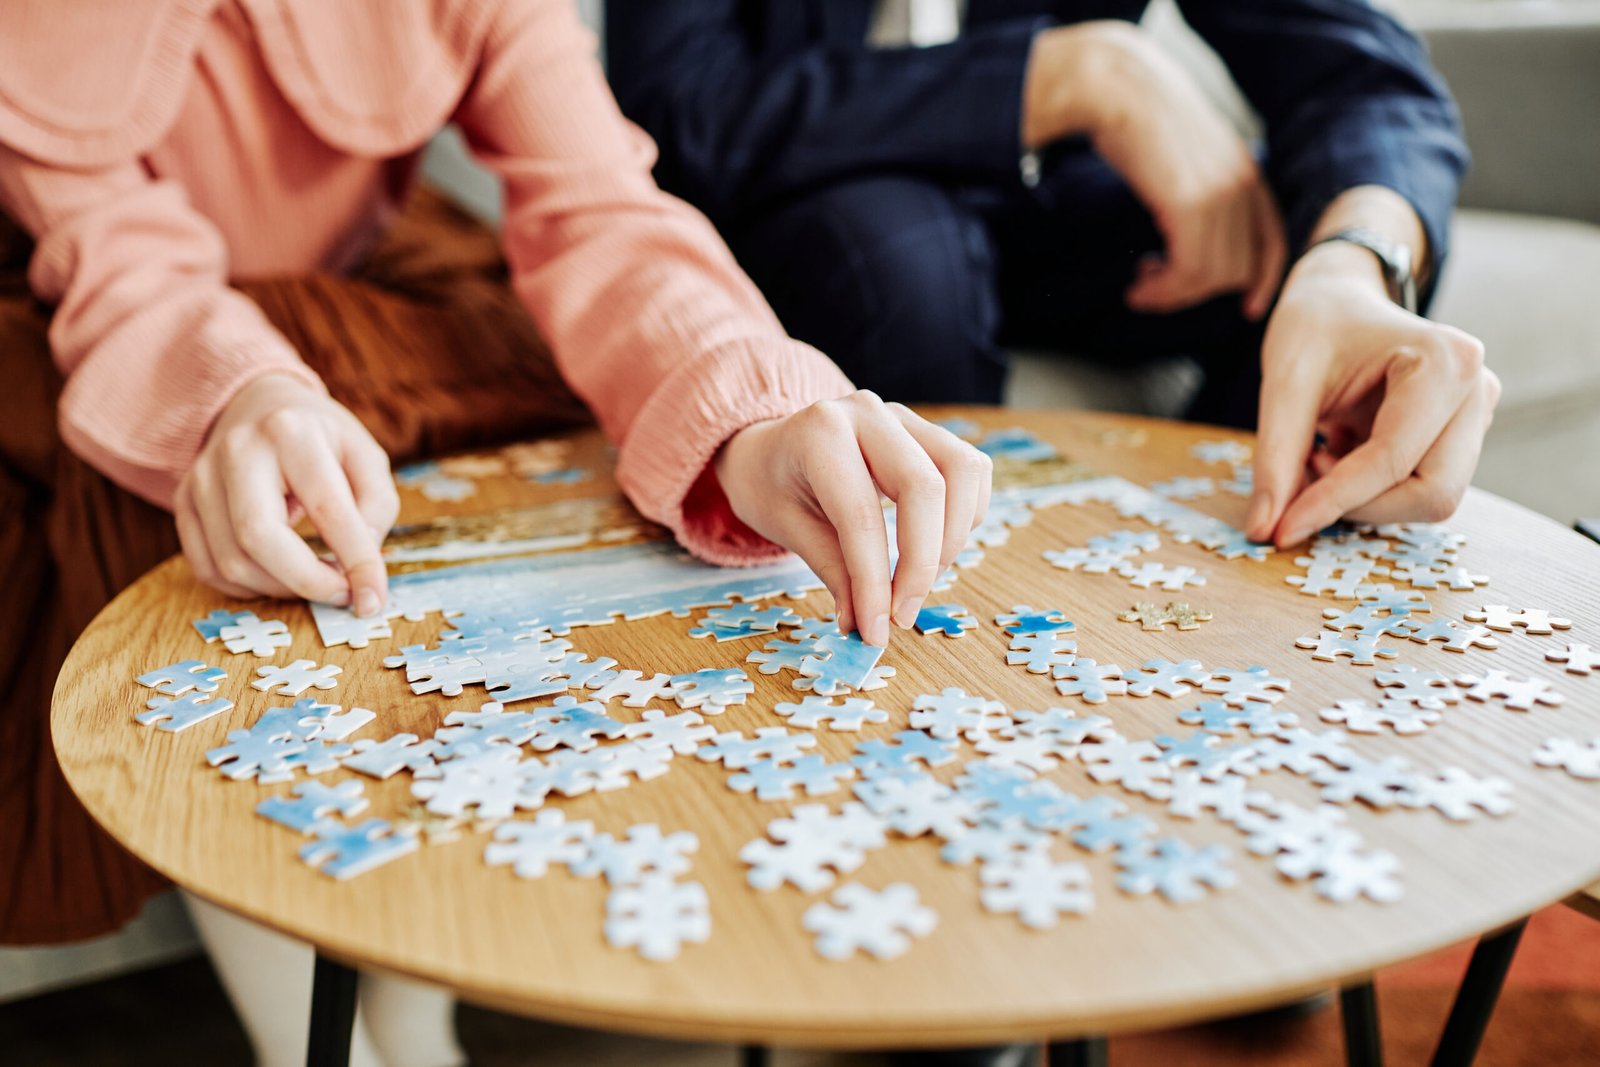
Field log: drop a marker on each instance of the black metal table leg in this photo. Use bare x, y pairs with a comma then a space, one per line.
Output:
1358, 1005
333, 1014
1475, 1000
754, 1056
1085, 1052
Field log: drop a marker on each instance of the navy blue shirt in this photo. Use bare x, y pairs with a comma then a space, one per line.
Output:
753, 101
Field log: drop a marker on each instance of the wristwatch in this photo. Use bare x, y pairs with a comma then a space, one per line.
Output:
1395, 259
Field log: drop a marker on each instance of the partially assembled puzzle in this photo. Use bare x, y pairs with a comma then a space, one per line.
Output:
553, 722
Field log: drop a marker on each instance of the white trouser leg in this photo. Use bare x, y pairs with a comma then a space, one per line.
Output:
268, 978
412, 1024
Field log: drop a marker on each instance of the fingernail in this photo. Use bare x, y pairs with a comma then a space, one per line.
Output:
367, 602
877, 632
341, 599
906, 613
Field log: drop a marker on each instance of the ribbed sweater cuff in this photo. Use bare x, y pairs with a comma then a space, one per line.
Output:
687, 419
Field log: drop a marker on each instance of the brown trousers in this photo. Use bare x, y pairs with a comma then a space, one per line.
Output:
425, 343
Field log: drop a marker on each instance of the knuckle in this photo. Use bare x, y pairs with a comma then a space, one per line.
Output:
972, 463
1438, 502
254, 535
1492, 387
866, 398
283, 425
234, 569
236, 442
925, 484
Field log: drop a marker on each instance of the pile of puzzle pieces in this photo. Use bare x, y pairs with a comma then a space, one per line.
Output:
507, 766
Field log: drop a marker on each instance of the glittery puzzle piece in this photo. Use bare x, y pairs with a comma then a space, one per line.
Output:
1176, 613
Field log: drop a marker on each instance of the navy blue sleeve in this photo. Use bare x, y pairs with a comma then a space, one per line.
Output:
1349, 98
738, 125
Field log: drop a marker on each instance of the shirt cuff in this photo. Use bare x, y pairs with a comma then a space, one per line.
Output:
664, 464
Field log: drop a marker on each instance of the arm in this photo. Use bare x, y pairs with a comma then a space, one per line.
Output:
158, 353
737, 125
1348, 99
682, 361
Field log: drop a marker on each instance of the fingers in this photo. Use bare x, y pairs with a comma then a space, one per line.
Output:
1424, 387
314, 475
966, 474
367, 467
192, 538
1291, 400
259, 519
234, 562
845, 492
1272, 254
1434, 492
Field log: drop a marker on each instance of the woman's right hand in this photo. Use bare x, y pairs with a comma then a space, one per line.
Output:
281, 450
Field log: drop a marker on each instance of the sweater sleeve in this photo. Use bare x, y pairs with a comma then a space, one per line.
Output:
149, 337
649, 317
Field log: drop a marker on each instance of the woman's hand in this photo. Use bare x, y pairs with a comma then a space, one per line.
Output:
278, 451
1401, 405
811, 483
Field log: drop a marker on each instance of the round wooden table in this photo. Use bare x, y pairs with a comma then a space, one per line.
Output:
536, 947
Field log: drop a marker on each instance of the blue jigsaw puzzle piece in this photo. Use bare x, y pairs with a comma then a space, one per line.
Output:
952, 620
346, 851
211, 626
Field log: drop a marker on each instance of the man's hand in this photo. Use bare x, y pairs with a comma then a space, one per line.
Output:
811, 483
1187, 165
1401, 404
277, 451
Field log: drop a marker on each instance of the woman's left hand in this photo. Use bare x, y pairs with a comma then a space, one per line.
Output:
811, 482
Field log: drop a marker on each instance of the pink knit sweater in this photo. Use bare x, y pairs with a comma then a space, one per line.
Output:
157, 149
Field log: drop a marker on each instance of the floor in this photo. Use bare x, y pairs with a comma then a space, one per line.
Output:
1549, 1016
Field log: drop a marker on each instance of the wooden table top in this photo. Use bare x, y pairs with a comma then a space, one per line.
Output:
536, 947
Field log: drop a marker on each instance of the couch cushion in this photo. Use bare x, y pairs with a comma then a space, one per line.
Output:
1529, 288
